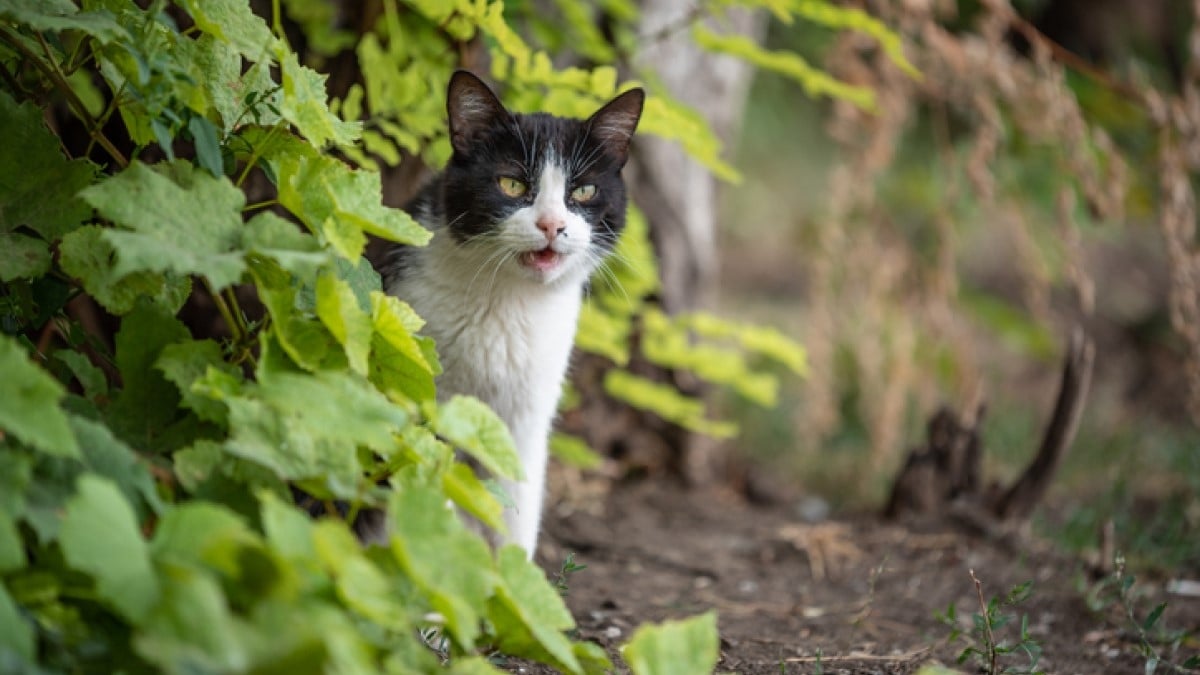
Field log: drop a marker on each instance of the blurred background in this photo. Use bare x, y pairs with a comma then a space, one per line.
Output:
939, 251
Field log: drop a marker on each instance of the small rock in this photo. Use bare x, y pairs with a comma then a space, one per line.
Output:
812, 509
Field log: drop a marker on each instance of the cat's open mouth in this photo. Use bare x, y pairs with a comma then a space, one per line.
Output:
543, 260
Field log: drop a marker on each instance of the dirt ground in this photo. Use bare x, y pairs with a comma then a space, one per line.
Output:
842, 595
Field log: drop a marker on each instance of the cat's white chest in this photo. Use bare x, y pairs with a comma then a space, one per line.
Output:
508, 349
507, 343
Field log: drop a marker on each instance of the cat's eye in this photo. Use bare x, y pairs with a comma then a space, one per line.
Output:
512, 187
583, 193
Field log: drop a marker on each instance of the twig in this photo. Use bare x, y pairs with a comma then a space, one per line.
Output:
1025, 493
987, 624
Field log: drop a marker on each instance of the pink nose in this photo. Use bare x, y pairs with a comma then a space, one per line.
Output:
551, 227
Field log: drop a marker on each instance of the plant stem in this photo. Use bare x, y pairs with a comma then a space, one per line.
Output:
260, 205
235, 328
51, 70
989, 639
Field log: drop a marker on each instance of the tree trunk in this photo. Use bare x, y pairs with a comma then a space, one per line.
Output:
680, 197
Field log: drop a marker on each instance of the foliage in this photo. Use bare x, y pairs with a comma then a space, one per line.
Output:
148, 477
1118, 590
983, 646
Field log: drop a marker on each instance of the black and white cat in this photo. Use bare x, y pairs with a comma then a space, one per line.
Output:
525, 211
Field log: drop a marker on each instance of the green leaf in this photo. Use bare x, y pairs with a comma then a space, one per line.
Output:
86, 255
148, 401
666, 402
309, 426
339, 310
530, 613
299, 253
38, 186
574, 451
403, 366
470, 425
814, 81
91, 378
60, 15
336, 405
232, 21
1154, 616
450, 567
302, 337
208, 147
193, 628
304, 105
183, 363
108, 457
12, 551
15, 632
853, 18
29, 399
189, 223
604, 333
339, 203
674, 647
362, 586
22, 257
100, 536
465, 489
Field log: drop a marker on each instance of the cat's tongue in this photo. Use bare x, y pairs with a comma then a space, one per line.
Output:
543, 260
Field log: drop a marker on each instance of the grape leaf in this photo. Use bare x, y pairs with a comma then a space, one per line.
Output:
22, 256
38, 186
531, 613
58, 15
464, 488
674, 647
29, 399
339, 310
449, 565
304, 105
110, 458
86, 255
91, 378
472, 426
233, 22
12, 551
282, 241
183, 363
401, 365
148, 401
15, 632
189, 223
100, 536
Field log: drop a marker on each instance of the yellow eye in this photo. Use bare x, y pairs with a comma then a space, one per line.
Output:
512, 187
583, 193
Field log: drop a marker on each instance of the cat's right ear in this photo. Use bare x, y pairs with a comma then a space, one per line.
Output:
471, 107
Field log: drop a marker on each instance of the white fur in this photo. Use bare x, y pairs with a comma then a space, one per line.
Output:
504, 330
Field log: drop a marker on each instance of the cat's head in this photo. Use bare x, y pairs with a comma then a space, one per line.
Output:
537, 196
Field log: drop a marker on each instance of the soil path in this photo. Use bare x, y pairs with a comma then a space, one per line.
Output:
851, 595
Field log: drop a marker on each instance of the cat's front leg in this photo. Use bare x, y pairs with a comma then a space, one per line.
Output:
524, 517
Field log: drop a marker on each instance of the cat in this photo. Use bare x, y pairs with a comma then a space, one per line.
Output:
526, 209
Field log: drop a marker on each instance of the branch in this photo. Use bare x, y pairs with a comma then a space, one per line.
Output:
1019, 500
50, 69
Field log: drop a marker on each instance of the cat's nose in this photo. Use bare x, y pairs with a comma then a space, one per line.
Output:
551, 227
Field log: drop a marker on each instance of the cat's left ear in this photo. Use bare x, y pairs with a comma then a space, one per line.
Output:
614, 124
